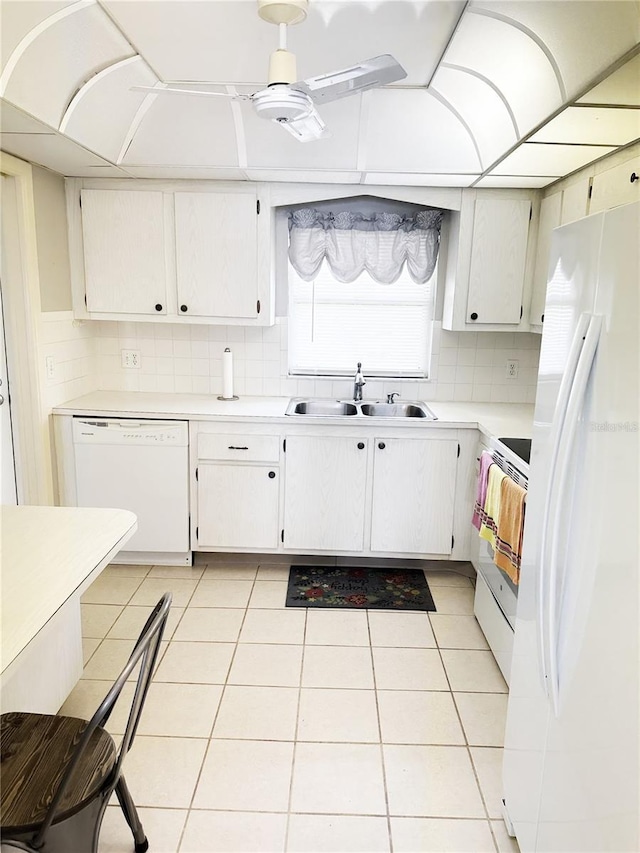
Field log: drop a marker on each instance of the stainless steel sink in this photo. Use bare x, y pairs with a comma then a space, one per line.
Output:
321, 408
342, 408
397, 410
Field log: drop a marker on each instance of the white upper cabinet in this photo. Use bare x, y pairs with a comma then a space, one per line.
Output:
489, 263
216, 254
169, 254
616, 186
550, 218
124, 245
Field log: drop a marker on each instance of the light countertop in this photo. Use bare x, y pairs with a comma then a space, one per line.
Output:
49, 554
492, 419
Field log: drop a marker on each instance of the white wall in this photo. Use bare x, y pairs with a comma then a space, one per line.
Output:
188, 359
51, 237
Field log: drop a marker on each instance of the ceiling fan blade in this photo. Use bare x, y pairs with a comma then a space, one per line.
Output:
169, 90
377, 71
305, 129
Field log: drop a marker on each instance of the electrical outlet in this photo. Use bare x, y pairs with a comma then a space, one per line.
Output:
512, 369
50, 367
130, 358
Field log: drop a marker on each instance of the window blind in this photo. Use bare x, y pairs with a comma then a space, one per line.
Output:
333, 325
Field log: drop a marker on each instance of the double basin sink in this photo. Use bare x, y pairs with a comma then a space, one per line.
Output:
343, 408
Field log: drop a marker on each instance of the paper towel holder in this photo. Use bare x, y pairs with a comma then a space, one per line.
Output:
232, 396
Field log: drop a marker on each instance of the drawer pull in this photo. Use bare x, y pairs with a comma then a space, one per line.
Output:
361, 445
381, 445
233, 447
272, 474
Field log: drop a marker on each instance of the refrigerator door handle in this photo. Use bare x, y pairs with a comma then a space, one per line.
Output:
557, 425
575, 408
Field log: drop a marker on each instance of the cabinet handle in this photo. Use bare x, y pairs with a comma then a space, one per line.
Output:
634, 178
381, 445
233, 447
361, 445
158, 307
272, 474
183, 308
474, 316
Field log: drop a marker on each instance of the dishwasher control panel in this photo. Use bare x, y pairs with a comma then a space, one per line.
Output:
132, 432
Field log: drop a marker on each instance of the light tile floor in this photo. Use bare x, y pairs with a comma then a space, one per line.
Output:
273, 729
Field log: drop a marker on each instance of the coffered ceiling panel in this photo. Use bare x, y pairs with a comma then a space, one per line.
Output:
534, 158
510, 61
55, 152
622, 87
582, 37
187, 131
105, 108
593, 126
21, 20
411, 131
482, 109
227, 42
50, 69
14, 120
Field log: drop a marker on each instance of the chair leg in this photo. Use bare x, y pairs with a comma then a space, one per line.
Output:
131, 816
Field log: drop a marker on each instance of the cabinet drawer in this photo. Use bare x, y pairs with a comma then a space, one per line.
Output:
239, 448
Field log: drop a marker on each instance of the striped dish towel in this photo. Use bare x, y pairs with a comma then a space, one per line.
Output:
489, 517
508, 542
486, 460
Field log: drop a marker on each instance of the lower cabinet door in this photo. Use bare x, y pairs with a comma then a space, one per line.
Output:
238, 506
413, 495
325, 493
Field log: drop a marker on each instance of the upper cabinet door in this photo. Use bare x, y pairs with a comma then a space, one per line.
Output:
550, 213
616, 186
498, 256
124, 251
216, 254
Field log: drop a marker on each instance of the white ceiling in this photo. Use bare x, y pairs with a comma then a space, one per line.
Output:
498, 92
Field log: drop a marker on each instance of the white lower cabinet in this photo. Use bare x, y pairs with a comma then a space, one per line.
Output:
324, 505
236, 488
413, 495
238, 506
332, 490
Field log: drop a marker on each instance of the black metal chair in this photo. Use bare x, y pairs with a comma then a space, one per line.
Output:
58, 773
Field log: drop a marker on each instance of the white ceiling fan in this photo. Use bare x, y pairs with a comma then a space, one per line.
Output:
291, 103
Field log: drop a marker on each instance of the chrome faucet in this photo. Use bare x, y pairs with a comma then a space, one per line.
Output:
391, 397
358, 382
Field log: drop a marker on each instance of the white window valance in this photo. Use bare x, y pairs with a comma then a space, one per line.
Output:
352, 243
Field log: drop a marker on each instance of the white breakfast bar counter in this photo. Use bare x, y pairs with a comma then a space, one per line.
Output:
50, 555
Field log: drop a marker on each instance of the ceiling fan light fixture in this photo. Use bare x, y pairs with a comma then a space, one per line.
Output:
283, 11
282, 67
282, 104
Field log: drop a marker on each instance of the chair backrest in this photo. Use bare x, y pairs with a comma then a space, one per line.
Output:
144, 654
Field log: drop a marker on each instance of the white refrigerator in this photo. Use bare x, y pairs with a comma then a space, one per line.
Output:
571, 760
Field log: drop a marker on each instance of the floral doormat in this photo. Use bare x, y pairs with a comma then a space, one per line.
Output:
374, 589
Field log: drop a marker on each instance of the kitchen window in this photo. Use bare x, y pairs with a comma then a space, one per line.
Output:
361, 288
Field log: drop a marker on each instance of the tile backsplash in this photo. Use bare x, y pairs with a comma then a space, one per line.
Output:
70, 347
466, 366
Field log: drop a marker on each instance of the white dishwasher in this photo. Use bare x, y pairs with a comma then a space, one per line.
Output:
143, 466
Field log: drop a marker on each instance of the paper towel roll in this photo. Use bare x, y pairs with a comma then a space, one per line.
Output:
227, 374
